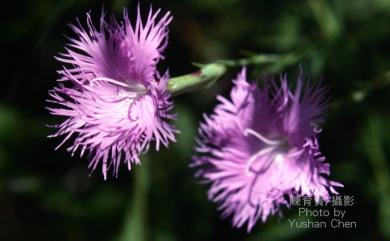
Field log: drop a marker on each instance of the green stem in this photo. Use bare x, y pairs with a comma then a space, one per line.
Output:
206, 76
210, 73
135, 219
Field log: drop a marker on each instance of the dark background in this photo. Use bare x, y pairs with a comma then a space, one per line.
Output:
48, 195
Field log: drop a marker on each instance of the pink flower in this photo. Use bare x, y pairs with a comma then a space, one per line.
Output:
114, 100
261, 148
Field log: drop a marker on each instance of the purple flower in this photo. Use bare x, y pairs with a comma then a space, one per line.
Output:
114, 100
260, 149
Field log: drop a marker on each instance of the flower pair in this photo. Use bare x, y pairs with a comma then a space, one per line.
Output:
257, 149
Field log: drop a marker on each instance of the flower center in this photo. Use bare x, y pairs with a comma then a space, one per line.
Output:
274, 151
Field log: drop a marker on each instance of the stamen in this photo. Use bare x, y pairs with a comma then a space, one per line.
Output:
262, 138
296, 153
138, 89
109, 80
254, 157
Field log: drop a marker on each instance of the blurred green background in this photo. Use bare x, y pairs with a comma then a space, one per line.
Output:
48, 195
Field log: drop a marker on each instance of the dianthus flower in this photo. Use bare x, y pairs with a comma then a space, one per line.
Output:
260, 149
111, 93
